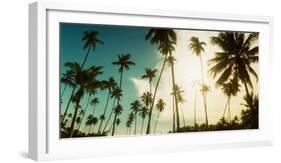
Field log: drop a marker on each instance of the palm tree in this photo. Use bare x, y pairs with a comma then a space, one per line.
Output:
124, 63
115, 94
109, 85
84, 80
239, 51
197, 48
204, 90
146, 98
143, 112
194, 85
171, 61
165, 39
135, 106
130, 121
181, 100
230, 89
250, 116
66, 80
91, 121
90, 42
118, 121
117, 111
160, 107
149, 74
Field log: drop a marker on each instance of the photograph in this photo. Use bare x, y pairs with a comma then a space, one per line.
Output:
118, 80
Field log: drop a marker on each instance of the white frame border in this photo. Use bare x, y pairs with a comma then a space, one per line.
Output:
38, 66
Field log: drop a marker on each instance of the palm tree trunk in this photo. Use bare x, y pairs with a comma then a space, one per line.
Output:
89, 129
248, 94
142, 125
204, 95
229, 113
135, 132
195, 98
174, 118
175, 96
156, 122
118, 101
110, 115
183, 116
225, 108
154, 95
74, 118
104, 112
63, 90
85, 59
86, 108
68, 104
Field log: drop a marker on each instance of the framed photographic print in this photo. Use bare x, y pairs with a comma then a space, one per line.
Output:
109, 81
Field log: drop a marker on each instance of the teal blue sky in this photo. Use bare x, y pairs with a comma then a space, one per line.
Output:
117, 40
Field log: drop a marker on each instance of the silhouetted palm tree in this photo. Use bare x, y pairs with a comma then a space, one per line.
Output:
143, 113
84, 80
160, 107
116, 94
149, 74
130, 121
135, 106
181, 100
250, 116
67, 81
124, 63
197, 48
239, 51
117, 111
230, 89
91, 121
90, 42
109, 85
194, 85
165, 39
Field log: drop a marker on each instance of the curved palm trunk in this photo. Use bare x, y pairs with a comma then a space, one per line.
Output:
86, 57
118, 101
176, 100
135, 132
154, 95
156, 122
225, 108
86, 108
204, 94
229, 113
105, 109
110, 115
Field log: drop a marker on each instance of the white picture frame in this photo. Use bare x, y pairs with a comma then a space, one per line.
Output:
44, 143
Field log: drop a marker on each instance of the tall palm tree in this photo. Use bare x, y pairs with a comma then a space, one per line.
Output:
204, 90
230, 89
84, 80
149, 74
90, 42
115, 94
165, 39
239, 52
124, 63
143, 113
146, 98
171, 61
160, 107
109, 85
197, 48
117, 111
135, 106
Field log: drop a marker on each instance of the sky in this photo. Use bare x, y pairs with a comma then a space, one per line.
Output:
124, 40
